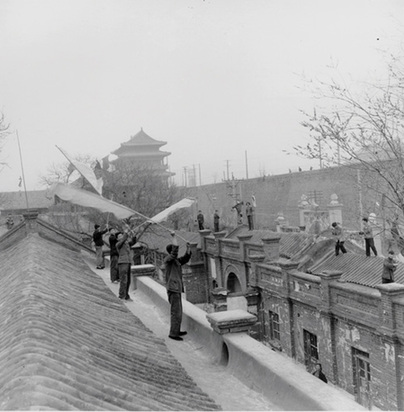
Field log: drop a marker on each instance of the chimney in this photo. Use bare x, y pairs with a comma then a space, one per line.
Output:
271, 246
31, 224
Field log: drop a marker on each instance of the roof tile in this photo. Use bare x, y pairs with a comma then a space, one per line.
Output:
68, 343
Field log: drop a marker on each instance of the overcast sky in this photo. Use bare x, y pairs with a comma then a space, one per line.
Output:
215, 79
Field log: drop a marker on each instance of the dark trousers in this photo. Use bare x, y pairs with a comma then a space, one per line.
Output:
216, 227
370, 244
250, 222
339, 246
200, 224
124, 276
113, 268
387, 280
176, 312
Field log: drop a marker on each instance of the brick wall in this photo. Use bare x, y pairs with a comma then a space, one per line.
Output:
195, 283
281, 193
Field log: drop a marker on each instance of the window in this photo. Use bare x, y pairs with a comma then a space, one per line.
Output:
310, 348
361, 376
274, 329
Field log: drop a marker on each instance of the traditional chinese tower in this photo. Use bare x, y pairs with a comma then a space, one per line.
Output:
142, 150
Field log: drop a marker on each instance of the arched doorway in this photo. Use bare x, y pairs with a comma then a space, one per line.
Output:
233, 284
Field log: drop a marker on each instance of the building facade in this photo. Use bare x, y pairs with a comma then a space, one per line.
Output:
354, 330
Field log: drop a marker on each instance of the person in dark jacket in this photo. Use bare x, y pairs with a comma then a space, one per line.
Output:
113, 255
201, 220
99, 243
216, 218
238, 208
318, 371
173, 273
389, 267
338, 235
124, 263
249, 211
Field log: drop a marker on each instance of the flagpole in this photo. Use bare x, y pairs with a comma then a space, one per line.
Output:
22, 169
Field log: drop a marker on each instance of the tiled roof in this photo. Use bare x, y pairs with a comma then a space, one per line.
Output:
37, 199
290, 244
67, 342
143, 139
359, 269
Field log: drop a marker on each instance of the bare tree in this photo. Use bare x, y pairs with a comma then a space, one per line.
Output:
62, 172
140, 187
364, 131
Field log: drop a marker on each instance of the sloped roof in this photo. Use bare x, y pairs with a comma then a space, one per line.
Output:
359, 269
69, 343
290, 244
37, 199
143, 139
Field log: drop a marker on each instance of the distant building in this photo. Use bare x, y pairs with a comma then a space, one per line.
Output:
143, 150
15, 203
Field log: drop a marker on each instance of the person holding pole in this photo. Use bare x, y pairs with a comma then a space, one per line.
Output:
124, 262
99, 243
114, 255
175, 286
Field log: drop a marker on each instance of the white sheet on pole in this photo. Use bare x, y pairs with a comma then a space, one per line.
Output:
89, 199
85, 171
162, 216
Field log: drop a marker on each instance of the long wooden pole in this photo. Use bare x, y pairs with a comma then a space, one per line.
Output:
22, 169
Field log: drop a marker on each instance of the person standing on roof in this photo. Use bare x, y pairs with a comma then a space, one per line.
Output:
201, 220
338, 235
99, 243
175, 286
389, 267
114, 255
238, 208
124, 262
367, 232
249, 211
216, 218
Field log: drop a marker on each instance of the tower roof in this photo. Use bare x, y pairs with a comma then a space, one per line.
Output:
141, 142
143, 139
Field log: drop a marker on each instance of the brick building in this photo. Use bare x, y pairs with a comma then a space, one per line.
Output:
327, 309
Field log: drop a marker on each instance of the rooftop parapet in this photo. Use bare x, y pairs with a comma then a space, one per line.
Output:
231, 321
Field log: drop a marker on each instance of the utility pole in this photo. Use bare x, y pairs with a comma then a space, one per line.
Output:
200, 179
22, 169
227, 168
185, 177
246, 165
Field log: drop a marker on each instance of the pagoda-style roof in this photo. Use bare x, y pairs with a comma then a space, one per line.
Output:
141, 141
